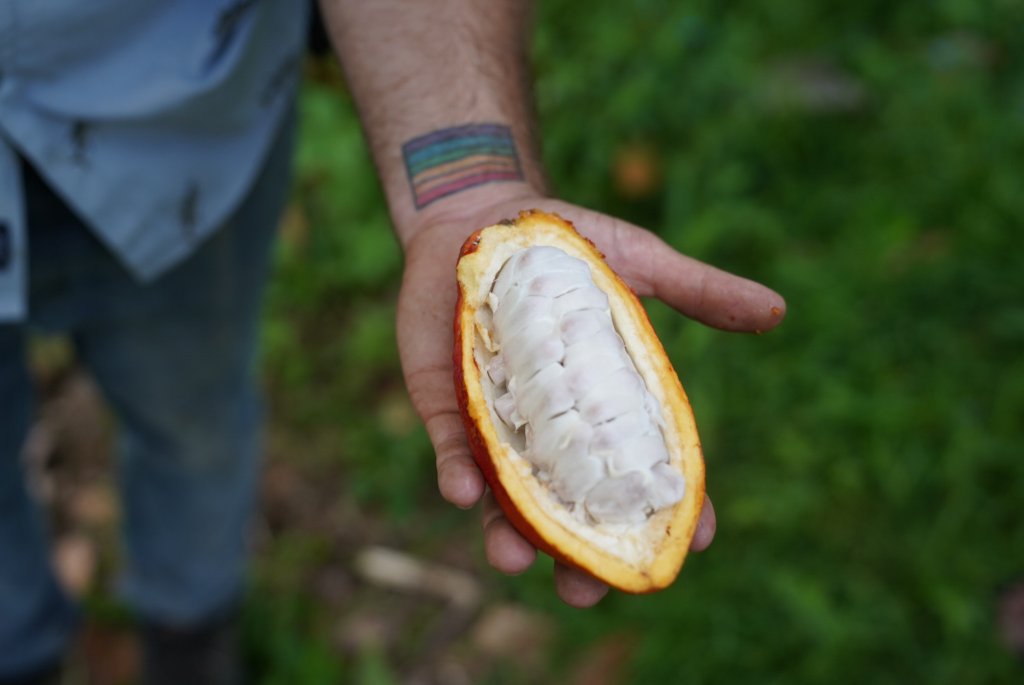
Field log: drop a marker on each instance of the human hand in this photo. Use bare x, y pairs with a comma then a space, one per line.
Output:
425, 330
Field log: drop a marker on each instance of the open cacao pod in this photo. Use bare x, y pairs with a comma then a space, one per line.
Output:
573, 411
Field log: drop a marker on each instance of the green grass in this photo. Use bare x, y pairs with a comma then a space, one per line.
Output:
865, 457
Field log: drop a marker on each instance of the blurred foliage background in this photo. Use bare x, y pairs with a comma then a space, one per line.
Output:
864, 159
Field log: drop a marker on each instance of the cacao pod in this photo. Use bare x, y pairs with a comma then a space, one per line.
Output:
572, 409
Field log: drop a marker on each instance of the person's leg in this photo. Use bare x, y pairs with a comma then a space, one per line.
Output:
176, 360
178, 373
36, 618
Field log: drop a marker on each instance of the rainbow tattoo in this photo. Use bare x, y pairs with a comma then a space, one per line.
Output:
450, 160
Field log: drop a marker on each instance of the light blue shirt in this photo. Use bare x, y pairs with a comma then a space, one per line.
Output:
149, 117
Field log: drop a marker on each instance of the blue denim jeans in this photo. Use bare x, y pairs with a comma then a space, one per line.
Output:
175, 360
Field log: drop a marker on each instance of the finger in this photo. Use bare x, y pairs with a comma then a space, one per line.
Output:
706, 526
458, 477
698, 290
576, 588
506, 549
433, 395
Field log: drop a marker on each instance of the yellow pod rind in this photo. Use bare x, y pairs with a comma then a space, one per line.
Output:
634, 558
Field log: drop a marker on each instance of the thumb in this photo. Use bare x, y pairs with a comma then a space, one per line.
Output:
458, 477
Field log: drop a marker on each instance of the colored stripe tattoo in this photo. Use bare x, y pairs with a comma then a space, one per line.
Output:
444, 162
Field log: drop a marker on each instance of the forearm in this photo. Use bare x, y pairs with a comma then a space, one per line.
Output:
419, 71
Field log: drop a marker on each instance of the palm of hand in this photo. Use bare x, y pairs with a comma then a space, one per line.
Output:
425, 330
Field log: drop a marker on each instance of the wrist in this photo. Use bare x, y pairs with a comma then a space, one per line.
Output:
455, 172
467, 210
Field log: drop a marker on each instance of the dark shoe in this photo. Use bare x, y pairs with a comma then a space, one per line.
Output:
46, 676
207, 654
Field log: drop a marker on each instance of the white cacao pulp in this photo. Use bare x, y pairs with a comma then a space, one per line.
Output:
564, 380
